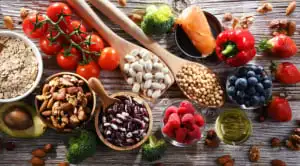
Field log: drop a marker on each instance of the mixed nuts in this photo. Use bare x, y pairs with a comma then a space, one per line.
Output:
65, 102
146, 73
125, 123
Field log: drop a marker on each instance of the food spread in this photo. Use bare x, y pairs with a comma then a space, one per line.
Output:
65, 101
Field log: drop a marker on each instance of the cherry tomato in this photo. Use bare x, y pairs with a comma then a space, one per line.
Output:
48, 47
32, 26
88, 70
70, 61
55, 10
75, 24
109, 60
95, 43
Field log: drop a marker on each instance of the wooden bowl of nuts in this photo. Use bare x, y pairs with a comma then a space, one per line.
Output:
126, 124
66, 102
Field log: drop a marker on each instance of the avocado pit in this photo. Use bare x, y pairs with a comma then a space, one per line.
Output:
18, 118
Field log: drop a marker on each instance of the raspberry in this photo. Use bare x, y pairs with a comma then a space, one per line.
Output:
174, 120
188, 118
168, 130
195, 133
199, 120
188, 105
181, 134
168, 112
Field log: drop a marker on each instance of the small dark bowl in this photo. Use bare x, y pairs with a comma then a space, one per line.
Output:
186, 46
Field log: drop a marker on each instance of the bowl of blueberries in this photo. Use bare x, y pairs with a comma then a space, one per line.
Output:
249, 86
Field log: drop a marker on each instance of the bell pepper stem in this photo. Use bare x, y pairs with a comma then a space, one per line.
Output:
228, 49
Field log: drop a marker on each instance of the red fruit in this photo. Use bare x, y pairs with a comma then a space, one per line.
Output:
280, 46
195, 133
168, 130
189, 107
188, 118
181, 134
169, 111
199, 120
279, 109
174, 120
286, 73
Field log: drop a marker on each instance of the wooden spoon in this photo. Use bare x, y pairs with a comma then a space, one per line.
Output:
97, 86
174, 62
122, 46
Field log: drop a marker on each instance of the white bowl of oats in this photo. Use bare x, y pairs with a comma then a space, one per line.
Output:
21, 66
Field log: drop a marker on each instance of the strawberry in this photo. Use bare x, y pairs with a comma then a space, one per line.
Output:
281, 46
279, 109
168, 130
195, 133
174, 120
188, 118
199, 120
181, 134
189, 108
286, 73
168, 112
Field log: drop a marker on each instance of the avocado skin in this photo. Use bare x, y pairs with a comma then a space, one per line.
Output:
36, 130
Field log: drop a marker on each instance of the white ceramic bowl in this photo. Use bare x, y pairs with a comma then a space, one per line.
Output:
38, 58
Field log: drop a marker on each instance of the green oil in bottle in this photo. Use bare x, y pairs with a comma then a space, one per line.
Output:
233, 127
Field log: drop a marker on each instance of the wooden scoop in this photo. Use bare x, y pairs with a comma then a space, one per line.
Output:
97, 86
122, 46
175, 63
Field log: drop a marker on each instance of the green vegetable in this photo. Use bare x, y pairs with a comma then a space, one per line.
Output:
153, 149
157, 20
81, 147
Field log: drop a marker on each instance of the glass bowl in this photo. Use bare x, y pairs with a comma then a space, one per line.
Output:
227, 121
172, 140
267, 92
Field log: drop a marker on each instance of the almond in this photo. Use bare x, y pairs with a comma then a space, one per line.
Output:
64, 164
38, 153
291, 8
47, 148
278, 163
122, 2
35, 161
291, 28
8, 22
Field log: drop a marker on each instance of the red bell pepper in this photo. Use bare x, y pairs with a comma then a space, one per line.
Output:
235, 47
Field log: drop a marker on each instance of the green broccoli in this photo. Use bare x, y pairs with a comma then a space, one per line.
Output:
81, 147
154, 149
157, 21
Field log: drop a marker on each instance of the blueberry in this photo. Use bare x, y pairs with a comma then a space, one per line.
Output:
254, 100
241, 83
250, 74
252, 81
267, 83
240, 94
259, 87
268, 93
247, 103
232, 79
251, 91
247, 97
231, 91
259, 70
242, 71
266, 77
259, 77
262, 99
240, 101
252, 67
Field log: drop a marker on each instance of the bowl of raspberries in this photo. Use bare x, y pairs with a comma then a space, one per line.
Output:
249, 86
181, 124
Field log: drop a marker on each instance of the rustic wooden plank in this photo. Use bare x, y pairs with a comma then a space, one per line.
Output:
113, 82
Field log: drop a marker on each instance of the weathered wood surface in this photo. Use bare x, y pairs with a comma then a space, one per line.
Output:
196, 155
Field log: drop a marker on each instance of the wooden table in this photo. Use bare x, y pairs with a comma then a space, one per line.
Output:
198, 154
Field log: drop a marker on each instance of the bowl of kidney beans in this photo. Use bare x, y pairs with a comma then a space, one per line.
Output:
249, 86
125, 125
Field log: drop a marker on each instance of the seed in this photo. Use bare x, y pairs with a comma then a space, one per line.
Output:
137, 67
156, 94
129, 58
167, 80
139, 77
115, 127
149, 92
146, 55
165, 70
158, 66
148, 76
155, 85
129, 135
132, 73
126, 68
136, 87
148, 66
130, 80
148, 84
159, 75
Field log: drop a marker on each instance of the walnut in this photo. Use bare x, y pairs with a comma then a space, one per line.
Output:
227, 17
74, 120
8, 22
266, 7
225, 160
24, 13
254, 154
275, 142
246, 21
293, 142
297, 131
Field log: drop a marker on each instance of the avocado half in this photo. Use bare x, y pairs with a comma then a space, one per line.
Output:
20, 120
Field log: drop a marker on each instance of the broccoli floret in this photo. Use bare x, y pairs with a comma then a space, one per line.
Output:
81, 147
153, 149
157, 21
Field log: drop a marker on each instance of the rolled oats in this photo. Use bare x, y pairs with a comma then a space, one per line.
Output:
18, 68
